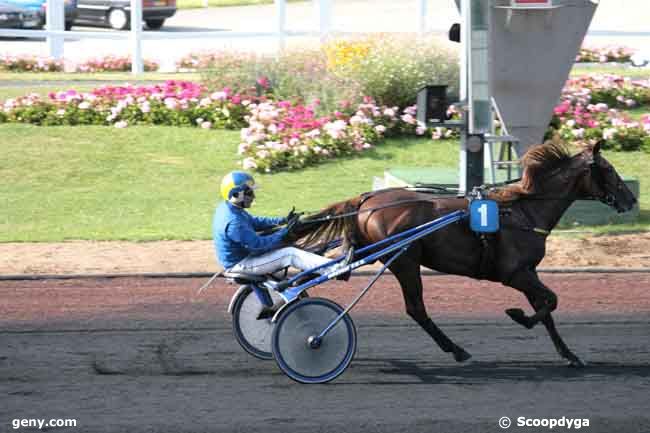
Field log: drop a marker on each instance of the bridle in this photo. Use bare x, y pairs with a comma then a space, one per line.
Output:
597, 176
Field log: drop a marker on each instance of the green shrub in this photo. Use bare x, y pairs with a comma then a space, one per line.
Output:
389, 69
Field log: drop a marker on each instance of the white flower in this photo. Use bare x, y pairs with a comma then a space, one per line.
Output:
570, 123
389, 112
60, 112
578, 133
407, 118
335, 129
608, 133
249, 163
420, 130
380, 129
313, 133
219, 96
206, 125
121, 124
356, 120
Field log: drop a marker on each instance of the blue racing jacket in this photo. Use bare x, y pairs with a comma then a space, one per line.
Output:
235, 237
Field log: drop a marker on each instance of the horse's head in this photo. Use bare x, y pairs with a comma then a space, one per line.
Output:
603, 182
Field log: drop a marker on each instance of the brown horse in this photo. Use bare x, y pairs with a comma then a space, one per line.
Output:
552, 180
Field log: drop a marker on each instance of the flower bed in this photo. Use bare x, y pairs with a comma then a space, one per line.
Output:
590, 110
604, 54
283, 135
287, 134
12, 63
176, 103
30, 64
114, 64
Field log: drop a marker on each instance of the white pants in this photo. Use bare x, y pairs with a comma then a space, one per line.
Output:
274, 261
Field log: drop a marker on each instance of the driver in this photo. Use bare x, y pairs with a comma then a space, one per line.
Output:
240, 249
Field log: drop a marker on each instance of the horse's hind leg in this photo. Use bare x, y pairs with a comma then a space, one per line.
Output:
558, 342
407, 272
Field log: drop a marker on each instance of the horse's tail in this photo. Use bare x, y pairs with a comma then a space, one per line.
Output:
337, 221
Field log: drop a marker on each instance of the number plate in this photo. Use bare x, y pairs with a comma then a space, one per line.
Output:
484, 216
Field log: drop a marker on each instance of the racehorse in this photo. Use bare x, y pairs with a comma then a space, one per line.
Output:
552, 179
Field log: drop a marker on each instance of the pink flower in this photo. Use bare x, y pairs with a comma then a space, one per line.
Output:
206, 125
264, 82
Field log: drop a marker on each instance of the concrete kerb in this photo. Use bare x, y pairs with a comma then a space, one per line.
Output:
426, 272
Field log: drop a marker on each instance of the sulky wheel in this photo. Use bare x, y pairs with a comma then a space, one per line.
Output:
299, 354
253, 335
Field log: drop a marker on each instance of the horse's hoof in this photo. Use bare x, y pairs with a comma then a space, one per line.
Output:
577, 363
517, 314
460, 355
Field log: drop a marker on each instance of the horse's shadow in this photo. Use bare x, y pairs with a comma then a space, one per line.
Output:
482, 373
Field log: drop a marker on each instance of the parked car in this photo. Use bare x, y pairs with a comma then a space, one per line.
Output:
117, 13
15, 17
39, 6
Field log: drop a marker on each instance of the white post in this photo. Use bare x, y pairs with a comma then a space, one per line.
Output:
422, 16
55, 21
325, 18
136, 33
281, 20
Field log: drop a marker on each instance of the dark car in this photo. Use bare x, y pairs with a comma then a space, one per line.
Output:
14, 16
39, 6
117, 13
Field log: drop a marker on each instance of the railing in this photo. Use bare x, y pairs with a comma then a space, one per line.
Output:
56, 35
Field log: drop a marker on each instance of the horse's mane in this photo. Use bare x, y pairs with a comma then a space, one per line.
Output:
537, 161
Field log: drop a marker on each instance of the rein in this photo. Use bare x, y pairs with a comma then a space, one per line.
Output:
357, 212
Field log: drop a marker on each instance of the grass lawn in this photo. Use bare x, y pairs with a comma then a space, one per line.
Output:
628, 71
99, 76
149, 183
145, 183
191, 4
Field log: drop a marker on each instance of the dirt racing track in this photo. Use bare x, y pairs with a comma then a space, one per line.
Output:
148, 355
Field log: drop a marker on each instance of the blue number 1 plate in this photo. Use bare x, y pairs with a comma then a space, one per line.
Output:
484, 216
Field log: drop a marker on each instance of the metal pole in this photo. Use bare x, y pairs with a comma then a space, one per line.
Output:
55, 21
136, 40
422, 16
325, 18
475, 89
281, 20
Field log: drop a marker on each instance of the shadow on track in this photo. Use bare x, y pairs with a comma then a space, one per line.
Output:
482, 373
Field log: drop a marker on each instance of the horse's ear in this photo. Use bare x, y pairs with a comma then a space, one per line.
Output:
593, 147
596, 149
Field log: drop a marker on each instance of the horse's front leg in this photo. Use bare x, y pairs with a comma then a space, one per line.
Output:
559, 343
544, 300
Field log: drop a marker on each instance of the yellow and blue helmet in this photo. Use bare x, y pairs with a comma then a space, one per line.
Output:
235, 182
